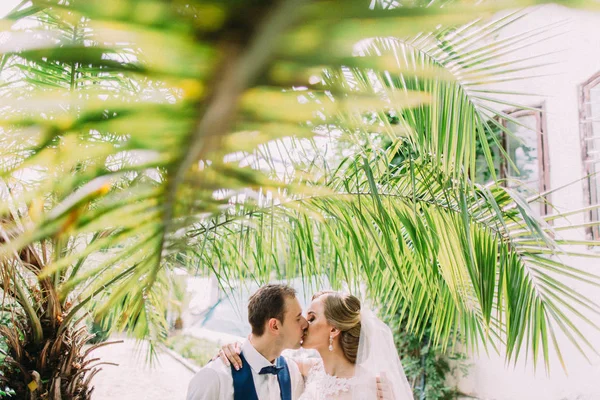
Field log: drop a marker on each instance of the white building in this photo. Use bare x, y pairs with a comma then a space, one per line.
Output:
563, 148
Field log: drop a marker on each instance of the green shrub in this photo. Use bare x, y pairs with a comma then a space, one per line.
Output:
427, 367
198, 351
4, 321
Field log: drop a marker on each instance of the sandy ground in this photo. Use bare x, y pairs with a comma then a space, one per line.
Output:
134, 378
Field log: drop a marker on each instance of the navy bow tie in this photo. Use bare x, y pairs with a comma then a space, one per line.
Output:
271, 369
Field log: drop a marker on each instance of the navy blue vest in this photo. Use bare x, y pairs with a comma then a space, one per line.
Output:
243, 384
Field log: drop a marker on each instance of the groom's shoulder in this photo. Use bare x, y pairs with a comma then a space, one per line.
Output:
216, 368
207, 382
290, 360
292, 364
211, 374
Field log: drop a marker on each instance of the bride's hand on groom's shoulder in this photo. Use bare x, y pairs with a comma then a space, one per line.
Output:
229, 354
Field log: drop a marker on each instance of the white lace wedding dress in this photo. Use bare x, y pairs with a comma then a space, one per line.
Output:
321, 386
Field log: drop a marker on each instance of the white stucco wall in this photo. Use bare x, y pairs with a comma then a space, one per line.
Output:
578, 59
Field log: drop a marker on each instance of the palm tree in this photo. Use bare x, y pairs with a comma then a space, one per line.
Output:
143, 132
39, 359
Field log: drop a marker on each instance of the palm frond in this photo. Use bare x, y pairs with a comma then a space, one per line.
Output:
446, 254
127, 130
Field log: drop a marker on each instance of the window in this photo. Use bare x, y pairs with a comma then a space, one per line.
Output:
589, 123
527, 148
528, 171
528, 151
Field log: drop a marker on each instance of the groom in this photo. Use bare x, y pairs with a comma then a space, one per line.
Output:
275, 316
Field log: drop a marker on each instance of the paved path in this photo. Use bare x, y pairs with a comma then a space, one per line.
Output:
134, 379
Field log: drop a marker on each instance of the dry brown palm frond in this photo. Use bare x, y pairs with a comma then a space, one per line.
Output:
56, 358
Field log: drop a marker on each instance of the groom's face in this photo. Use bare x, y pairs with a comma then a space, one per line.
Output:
294, 324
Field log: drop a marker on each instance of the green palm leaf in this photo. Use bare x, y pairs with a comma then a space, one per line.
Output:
446, 255
132, 128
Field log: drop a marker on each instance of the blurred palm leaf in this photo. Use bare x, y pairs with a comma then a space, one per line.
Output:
137, 120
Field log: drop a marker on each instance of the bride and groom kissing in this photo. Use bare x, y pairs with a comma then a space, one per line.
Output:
358, 359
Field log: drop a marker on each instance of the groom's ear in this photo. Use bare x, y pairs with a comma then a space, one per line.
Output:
273, 325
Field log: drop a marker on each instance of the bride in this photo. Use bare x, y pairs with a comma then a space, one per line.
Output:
355, 349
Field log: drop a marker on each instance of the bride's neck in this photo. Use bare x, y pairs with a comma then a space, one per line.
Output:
336, 364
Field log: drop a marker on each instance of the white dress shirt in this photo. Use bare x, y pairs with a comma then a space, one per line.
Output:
214, 381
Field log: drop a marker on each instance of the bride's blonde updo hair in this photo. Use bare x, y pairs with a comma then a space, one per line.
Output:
342, 311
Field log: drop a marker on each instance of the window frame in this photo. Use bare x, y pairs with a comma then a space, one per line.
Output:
590, 183
539, 111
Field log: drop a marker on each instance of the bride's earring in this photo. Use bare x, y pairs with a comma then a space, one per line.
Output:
330, 343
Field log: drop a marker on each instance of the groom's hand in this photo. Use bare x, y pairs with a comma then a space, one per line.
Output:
229, 353
384, 391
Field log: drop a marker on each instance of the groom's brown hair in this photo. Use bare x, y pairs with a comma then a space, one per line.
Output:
266, 303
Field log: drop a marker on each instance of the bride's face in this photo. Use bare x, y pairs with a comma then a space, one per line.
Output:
317, 335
